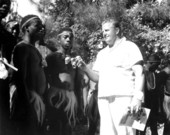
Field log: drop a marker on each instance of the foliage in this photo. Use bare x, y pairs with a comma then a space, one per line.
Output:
144, 22
151, 22
91, 17
81, 35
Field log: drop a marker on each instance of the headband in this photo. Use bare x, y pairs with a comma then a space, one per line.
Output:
34, 17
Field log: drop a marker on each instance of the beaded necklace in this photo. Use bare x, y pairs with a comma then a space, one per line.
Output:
154, 82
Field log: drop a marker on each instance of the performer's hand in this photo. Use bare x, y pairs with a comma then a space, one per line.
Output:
39, 106
80, 63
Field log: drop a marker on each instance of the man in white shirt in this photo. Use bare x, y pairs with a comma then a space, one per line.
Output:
119, 72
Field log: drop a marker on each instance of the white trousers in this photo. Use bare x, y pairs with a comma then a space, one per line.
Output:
111, 110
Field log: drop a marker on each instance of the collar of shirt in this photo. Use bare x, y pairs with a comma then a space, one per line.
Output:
116, 44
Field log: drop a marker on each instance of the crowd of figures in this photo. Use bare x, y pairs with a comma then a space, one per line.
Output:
51, 95
38, 95
156, 94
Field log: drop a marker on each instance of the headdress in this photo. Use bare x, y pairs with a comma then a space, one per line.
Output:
27, 19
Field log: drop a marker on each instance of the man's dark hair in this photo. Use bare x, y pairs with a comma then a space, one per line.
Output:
65, 29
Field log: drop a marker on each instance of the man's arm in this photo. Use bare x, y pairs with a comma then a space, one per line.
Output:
139, 79
139, 83
93, 75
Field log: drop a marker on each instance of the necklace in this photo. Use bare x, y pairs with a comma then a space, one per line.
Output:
154, 82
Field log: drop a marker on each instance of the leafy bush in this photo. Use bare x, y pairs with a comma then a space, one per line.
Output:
145, 23
151, 22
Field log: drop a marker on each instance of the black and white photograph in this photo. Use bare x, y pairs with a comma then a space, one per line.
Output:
84, 67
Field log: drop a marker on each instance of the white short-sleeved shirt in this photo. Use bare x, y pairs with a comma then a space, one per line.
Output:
114, 65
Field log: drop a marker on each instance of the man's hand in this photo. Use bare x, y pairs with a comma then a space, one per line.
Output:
80, 63
135, 105
39, 106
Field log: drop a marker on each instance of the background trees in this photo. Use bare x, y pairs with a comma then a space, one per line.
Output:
146, 22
